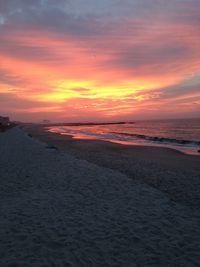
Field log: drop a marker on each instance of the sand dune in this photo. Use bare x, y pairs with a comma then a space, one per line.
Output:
57, 210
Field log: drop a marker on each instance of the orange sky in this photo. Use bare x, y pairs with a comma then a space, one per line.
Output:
99, 63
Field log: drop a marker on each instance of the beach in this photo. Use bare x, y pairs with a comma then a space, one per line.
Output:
67, 202
168, 170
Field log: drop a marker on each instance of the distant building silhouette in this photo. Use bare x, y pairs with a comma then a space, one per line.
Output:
4, 121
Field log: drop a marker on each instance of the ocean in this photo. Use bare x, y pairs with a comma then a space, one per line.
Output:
180, 134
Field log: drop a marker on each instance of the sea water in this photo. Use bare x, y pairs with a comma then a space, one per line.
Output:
180, 134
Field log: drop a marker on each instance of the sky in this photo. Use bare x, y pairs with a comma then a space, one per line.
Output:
91, 60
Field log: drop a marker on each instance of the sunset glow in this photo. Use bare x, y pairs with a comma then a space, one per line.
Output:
81, 61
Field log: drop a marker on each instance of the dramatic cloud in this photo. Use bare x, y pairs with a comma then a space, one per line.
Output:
99, 60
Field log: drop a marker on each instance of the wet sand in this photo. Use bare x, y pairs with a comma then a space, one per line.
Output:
168, 170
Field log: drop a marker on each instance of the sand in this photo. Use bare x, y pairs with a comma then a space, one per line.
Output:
167, 170
57, 210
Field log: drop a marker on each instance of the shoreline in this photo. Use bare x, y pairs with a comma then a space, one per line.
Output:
166, 169
190, 147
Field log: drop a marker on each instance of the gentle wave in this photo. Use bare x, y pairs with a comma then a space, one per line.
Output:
161, 139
